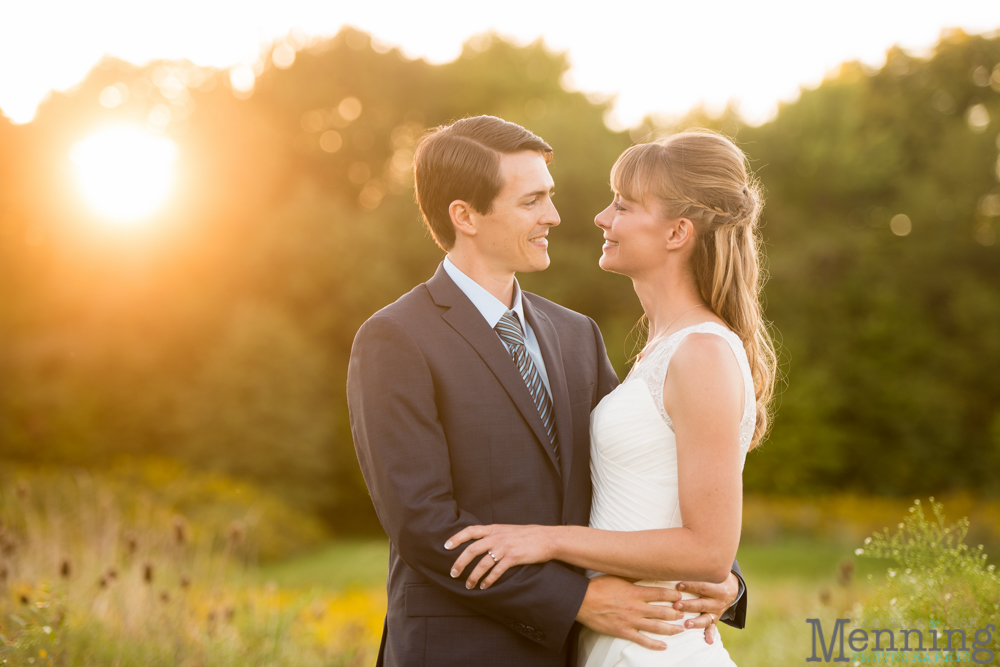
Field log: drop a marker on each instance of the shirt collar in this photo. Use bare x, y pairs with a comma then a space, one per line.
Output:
491, 308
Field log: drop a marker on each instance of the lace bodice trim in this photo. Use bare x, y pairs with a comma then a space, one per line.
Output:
652, 369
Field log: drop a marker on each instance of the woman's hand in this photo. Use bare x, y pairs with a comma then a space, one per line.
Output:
501, 547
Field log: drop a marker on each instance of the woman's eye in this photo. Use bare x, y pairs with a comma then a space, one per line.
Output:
619, 207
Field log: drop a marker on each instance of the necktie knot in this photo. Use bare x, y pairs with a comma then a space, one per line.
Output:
509, 330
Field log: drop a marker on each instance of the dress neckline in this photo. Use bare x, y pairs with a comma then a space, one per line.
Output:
659, 345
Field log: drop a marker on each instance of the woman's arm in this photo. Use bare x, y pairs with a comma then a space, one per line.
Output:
703, 393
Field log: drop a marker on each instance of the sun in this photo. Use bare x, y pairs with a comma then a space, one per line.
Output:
125, 173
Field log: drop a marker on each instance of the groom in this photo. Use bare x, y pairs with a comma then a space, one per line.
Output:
470, 404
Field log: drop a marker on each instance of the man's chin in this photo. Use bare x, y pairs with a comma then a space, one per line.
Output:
535, 265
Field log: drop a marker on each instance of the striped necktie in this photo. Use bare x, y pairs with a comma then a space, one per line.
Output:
509, 330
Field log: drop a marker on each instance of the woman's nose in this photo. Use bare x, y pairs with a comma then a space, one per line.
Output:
603, 219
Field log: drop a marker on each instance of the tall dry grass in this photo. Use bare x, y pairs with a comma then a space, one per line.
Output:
85, 582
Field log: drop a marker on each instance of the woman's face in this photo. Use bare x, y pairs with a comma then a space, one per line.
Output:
635, 237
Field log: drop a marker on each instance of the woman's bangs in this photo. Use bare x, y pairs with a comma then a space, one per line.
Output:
632, 173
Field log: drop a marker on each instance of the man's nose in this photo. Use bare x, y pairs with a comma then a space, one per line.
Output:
551, 216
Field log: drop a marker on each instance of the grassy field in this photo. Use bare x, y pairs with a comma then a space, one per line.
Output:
789, 580
87, 580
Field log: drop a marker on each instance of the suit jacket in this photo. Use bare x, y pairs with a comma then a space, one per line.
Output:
447, 436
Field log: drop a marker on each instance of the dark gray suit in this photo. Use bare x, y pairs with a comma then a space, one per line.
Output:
447, 436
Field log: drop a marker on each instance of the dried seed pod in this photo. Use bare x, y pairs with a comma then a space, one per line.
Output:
180, 531
236, 533
131, 544
24, 599
147, 573
102, 582
845, 572
185, 582
164, 597
824, 596
112, 573
65, 569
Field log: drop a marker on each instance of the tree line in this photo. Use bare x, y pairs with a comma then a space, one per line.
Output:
219, 334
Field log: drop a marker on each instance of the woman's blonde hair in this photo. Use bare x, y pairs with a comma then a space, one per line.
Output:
703, 176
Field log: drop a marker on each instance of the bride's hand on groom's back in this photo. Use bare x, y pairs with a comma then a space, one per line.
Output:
712, 601
498, 548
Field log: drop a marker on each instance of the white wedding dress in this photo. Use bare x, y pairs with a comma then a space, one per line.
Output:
633, 466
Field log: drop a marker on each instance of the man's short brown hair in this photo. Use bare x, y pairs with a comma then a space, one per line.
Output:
462, 161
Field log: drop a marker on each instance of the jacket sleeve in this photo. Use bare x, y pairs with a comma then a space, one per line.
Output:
736, 615
404, 456
607, 378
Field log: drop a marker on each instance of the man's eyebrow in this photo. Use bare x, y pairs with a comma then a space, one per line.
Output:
539, 193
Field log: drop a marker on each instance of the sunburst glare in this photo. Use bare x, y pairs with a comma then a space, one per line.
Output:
125, 173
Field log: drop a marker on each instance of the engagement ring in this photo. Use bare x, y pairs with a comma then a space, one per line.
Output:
495, 559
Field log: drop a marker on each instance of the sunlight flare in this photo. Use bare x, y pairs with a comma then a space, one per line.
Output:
125, 173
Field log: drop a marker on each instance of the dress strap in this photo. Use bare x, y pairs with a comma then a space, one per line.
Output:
652, 369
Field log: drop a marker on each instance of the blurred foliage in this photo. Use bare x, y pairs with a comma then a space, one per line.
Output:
219, 333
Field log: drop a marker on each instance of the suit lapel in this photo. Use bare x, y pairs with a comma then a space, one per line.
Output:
463, 316
548, 341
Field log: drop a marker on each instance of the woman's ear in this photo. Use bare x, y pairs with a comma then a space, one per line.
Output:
679, 232
461, 214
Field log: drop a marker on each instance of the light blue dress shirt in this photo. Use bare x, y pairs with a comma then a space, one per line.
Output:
493, 309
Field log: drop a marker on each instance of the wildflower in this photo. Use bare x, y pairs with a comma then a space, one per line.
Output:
859, 552
147, 573
64, 569
892, 573
868, 540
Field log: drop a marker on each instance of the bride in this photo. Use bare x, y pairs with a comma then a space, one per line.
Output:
668, 445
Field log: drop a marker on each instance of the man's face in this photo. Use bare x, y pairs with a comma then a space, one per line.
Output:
512, 236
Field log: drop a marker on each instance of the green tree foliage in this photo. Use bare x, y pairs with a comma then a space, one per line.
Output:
220, 334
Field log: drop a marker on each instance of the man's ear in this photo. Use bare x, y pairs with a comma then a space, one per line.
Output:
679, 232
461, 216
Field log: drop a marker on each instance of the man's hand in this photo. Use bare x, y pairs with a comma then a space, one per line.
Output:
714, 601
613, 606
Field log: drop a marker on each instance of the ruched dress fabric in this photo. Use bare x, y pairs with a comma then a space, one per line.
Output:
634, 473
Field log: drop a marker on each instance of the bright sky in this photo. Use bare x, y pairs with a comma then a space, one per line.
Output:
659, 56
